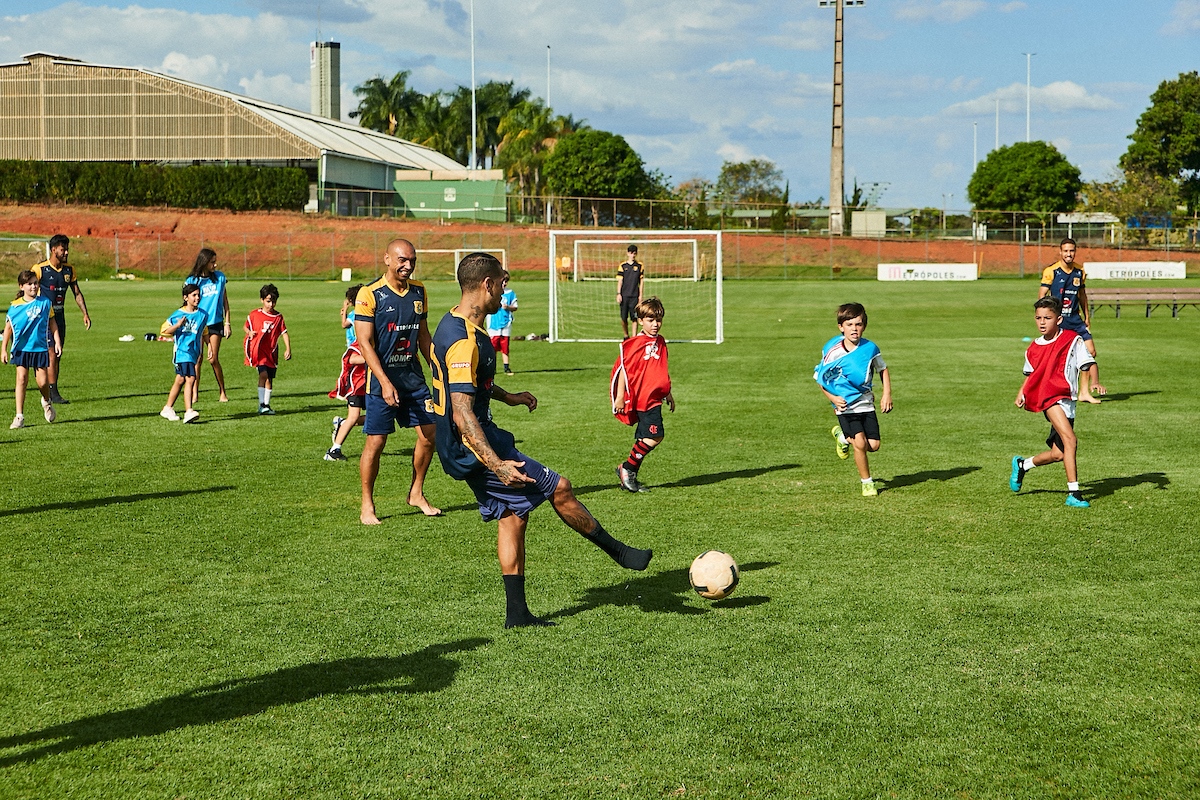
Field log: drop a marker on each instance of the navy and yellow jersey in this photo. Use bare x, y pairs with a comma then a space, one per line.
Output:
630, 276
463, 361
1065, 286
30, 320
54, 283
397, 317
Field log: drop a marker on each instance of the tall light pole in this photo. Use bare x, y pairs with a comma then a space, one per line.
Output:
473, 116
837, 153
975, 146
547, 77
1028, 69
997, 147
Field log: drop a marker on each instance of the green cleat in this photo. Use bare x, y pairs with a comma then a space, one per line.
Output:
839, 442
869, 489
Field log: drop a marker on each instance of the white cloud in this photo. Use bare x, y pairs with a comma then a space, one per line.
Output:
1016, 5
204, 69
1057, 97
1185, 18
808, 34
730, 151
940, 10
283, 90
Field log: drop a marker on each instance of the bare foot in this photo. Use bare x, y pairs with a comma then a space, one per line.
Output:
1087, 398
367, 516
426, 508
224, 398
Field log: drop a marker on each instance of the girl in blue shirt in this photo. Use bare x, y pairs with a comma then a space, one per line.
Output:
214, 302
30, 329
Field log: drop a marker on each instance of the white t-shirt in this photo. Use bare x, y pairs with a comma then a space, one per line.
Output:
1078, 357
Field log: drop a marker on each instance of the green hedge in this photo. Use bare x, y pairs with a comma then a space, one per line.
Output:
105, 183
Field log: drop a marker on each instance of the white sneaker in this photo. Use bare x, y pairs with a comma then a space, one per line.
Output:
17, 423
48, 411
169, 413
191, 415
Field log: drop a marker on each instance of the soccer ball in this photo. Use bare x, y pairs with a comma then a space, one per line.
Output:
714, 575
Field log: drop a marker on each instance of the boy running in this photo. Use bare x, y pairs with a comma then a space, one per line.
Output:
1065, 280
30, 329
352, 382
1052, 366
639, 386
845, 374
187, 326
264, 328
499, 325
507, 484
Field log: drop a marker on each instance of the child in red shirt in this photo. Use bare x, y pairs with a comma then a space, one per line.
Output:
264, 328
640, 385
1052, 366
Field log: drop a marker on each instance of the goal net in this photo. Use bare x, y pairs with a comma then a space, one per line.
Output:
443, 264
681, 268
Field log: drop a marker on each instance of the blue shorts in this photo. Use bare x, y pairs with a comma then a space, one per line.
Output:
1076, 324
495, 498
34, 359
186, 369
416, 408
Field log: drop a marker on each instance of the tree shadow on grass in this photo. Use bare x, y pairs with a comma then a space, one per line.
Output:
661, 593
560, 369
427, 670
923, 477
100, 502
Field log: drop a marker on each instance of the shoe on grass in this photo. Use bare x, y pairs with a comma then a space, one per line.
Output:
839, 442
48, 410
1077, 502
17, 423
169, 413
628, 480
265, 411
191, 415
1018, 474
869, 489
335, 454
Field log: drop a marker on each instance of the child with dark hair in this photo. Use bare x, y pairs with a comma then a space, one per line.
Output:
352, 381
29, 329
264, 328
186, 325
846, 373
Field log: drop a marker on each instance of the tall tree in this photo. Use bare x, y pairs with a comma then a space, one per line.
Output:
528, 134
1026, 176
386, 106
597, 164
754, 181
1166, 142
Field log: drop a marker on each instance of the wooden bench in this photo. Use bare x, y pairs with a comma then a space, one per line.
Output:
1176, 298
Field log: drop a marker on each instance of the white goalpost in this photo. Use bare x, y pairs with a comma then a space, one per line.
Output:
681, 268
437, 264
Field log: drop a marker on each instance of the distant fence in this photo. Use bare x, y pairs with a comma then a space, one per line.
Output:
280, 255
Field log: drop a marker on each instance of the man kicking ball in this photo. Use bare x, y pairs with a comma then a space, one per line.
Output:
507, 483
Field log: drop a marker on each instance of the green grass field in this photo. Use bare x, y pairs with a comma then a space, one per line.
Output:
194, 611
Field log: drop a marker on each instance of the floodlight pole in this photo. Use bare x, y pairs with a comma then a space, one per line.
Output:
997, 147
473, 115
1028, 72
975, 146
547, 77
837, 152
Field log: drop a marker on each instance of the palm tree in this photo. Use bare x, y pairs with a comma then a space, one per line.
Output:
528, 134
386, 106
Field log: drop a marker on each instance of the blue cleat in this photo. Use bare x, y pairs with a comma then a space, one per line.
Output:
1077, 502
1018, 474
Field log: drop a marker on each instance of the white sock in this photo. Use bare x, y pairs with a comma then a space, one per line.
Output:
261, 401
842, 438
867, 480
1072, 486
1028, 464
266, 397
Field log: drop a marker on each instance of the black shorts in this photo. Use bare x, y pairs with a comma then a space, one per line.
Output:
650, 424
356, 401
629, 309
854, 424
217, 329
268, 371
1054, 440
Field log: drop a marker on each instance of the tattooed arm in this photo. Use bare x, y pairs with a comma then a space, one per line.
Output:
508, 472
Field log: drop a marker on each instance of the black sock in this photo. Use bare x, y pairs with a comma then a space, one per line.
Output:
518, 614
1078, 495
623, 554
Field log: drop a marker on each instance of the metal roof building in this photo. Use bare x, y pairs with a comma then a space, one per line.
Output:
60, 109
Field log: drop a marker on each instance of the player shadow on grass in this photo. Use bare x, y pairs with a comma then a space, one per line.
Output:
662, 593
694, 480
100, 502
1107, 487
427, 670
1117, 397
283, 412
915, 478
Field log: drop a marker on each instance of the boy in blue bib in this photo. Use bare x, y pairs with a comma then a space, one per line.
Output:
847, 369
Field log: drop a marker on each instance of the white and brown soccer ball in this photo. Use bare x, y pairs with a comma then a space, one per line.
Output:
714, 575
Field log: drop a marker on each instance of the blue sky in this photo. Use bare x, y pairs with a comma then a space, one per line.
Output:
691, 83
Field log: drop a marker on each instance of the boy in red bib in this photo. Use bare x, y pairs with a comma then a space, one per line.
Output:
640, 385
1052, 366
264, 328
